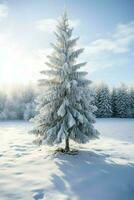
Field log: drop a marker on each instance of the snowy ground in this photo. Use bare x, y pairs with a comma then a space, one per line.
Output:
103, 169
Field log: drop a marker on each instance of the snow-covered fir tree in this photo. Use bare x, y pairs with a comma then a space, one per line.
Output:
64, 108
122, 101
131, 97
103, 101
29, 111
3, 98
113, 102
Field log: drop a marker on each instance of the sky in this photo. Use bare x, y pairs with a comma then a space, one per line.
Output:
105, 27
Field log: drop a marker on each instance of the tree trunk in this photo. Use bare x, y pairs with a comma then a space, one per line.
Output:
67, 144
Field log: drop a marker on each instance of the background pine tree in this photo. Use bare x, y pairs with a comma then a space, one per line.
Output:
122, 102
131, 96
113, 102
103, 101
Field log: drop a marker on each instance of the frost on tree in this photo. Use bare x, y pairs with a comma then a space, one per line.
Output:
131, 102
64, 108
122, 102
103, 101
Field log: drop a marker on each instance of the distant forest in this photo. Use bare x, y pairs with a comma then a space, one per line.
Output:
20, 103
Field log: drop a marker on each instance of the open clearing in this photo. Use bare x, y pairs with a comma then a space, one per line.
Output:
102, 170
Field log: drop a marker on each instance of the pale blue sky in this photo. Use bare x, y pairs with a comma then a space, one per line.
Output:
105, 27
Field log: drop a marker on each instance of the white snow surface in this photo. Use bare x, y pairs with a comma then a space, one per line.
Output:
102, 170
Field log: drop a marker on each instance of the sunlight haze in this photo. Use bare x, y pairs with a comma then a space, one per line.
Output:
106, 30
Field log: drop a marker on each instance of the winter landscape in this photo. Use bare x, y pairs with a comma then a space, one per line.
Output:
103, 169
66, 102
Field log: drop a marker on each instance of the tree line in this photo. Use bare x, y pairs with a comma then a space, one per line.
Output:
115, 102
18, 104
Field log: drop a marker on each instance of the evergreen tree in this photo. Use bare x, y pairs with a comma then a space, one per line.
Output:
131, 96
113, 102
122, 102
103, 101
3, 98
64, 107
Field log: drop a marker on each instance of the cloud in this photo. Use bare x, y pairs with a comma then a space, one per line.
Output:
107, 45
117, 43
110, 51
3, 11
106, 52
125, 30
48, 25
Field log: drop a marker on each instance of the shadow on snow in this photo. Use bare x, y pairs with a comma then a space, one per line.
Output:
89, 175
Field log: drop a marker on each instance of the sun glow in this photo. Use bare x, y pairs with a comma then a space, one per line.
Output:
11, 70
16, 65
